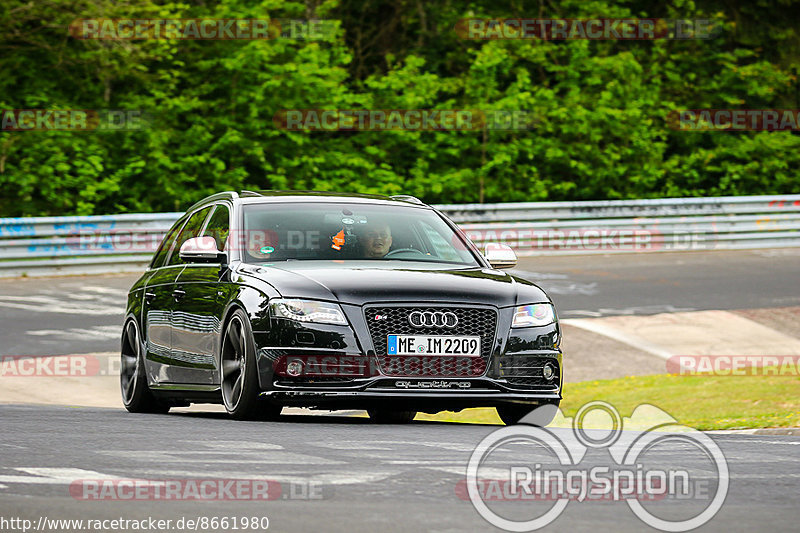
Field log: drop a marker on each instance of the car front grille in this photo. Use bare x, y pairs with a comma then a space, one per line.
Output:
394, 321
525, 372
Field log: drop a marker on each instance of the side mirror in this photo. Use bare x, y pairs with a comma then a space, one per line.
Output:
201, 250
500, 255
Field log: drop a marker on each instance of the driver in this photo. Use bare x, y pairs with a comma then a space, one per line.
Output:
376, 241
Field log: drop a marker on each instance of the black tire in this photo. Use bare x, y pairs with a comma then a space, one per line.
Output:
136, 395
512, 414
391, 416
239, 374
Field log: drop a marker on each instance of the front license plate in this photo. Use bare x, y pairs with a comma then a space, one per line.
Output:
433, 345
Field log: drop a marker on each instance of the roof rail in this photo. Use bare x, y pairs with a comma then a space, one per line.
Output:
407, 198
246, 193
225, 195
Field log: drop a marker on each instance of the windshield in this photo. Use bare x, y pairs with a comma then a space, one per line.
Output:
324, 231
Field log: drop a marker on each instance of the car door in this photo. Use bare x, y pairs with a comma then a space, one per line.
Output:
197, 315
157, 305
170, 364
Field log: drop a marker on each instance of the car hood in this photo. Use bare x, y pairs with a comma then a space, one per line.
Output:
365, 282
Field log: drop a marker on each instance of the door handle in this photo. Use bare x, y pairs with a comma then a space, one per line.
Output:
149, 296
178, 294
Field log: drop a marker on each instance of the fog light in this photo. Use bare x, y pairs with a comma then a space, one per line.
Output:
294, 368
548, 372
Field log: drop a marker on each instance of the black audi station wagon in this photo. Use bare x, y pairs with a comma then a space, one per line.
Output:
261, 300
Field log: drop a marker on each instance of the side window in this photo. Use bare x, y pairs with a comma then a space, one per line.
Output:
163, 249
190, 230
218, 226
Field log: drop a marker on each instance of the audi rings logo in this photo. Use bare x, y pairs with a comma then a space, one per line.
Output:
433, 319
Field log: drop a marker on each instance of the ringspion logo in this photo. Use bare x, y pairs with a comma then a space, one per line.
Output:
650, 459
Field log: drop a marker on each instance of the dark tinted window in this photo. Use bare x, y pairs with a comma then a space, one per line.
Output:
189, 231
161, 254
218, 226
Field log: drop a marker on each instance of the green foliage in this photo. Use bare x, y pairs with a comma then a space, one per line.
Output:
600, 107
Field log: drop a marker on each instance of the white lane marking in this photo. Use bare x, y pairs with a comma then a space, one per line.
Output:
87, 300
602, 329
536, 276
52, 476
458, 470
777, 253
569, 287
391, 445
625, 311
43, 304
79, 296
272, 457
106, 290
421, 462
345, 478
787, 442
98, 332
231, 446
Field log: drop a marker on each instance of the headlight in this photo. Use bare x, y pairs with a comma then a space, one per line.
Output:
308, 311
533, 315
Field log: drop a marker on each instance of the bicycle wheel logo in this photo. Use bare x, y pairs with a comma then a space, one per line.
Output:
650, 459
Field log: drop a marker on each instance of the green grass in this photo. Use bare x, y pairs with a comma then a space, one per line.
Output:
701, 402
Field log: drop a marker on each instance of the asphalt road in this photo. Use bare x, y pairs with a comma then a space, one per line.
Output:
341, 474
84, 314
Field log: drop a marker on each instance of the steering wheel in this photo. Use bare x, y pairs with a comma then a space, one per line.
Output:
401, 250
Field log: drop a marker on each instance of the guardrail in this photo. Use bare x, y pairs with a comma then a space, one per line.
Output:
116, 243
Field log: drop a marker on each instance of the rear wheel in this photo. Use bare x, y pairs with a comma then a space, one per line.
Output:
136, 395
239, 375
391, 416
541, 414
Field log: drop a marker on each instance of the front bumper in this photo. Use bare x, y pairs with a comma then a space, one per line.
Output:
424, 395
349, 374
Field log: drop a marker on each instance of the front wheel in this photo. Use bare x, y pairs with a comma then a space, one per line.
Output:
239, 375
390, 416
540, 414
136, 395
